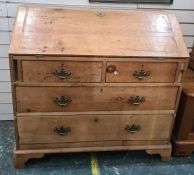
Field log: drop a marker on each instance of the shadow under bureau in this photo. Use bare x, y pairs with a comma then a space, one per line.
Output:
95, 80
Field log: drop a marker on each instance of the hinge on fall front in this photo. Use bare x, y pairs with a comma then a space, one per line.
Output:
160, 58
38, 55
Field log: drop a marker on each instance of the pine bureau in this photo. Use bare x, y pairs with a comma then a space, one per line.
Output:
95, 80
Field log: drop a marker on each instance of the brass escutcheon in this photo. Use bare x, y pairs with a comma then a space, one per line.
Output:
136, 100
141, 74
100, 14
62, 73
62, 130
63, 100
133, 128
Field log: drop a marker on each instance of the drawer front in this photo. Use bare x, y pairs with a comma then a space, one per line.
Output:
51, 129
61, 99
61, 71
140, 72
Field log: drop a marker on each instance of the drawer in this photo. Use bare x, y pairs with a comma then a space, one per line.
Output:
141, 72
61, 71
76, 98
55, 129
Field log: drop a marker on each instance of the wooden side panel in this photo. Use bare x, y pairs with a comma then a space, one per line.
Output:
92, 128
157, 72
42, 99
42, 71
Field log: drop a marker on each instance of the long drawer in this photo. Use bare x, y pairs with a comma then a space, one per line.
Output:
61, 99
55, 129
141, 72
61, 71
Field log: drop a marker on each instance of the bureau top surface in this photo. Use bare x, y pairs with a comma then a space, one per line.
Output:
96, 32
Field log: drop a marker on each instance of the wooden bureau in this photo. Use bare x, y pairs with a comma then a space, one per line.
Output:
183, 133
95, 80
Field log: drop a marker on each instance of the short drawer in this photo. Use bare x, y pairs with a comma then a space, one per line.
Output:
55, 129
76, 98
61, 71
140, 72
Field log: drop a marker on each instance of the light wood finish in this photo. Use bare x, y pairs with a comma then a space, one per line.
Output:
63, 30
158, 112
89, 149
98, 116
159, 72
80, 71
22, 84
92, 144
163, 150
13, 73
35, 99
164, 153
21, 159
98, 58
93, 128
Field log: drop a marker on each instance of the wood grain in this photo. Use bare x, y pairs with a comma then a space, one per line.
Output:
93, 128
92, 144
159, 72
87, 41
42, 71
151, 36
158, 150
39, 99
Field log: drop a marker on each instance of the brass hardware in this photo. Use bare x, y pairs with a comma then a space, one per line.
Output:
38, 55
136, 100
100, 14
62, 73
111, 69
62, 130
62, 100
133, 128
141, 74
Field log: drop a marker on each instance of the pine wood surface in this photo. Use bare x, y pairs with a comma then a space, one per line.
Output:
93, 128
159, 72
96, 32
42, 99
86, 42
80, 71
93, 144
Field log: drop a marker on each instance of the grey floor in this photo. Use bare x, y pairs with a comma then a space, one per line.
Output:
109, 163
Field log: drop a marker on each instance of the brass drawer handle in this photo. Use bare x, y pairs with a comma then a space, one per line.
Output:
133, 128
62, 73
62, 130
62, 100
136, 100
141, 74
